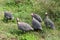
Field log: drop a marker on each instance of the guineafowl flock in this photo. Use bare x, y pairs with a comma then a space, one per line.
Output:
36, 22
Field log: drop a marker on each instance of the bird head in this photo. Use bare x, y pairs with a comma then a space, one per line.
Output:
32, 14
7, 12
46, 14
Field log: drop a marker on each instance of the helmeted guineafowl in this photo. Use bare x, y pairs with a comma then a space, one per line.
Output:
23, 26
8, 16
37, 17
36, 24
48, 21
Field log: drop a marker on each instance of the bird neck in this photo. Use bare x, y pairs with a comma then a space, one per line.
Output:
46, 16
18, 22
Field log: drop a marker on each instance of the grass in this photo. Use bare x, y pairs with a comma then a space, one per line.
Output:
9, 31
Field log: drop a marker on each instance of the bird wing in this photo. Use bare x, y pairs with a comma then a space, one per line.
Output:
36, 24
38, 17
25, 26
